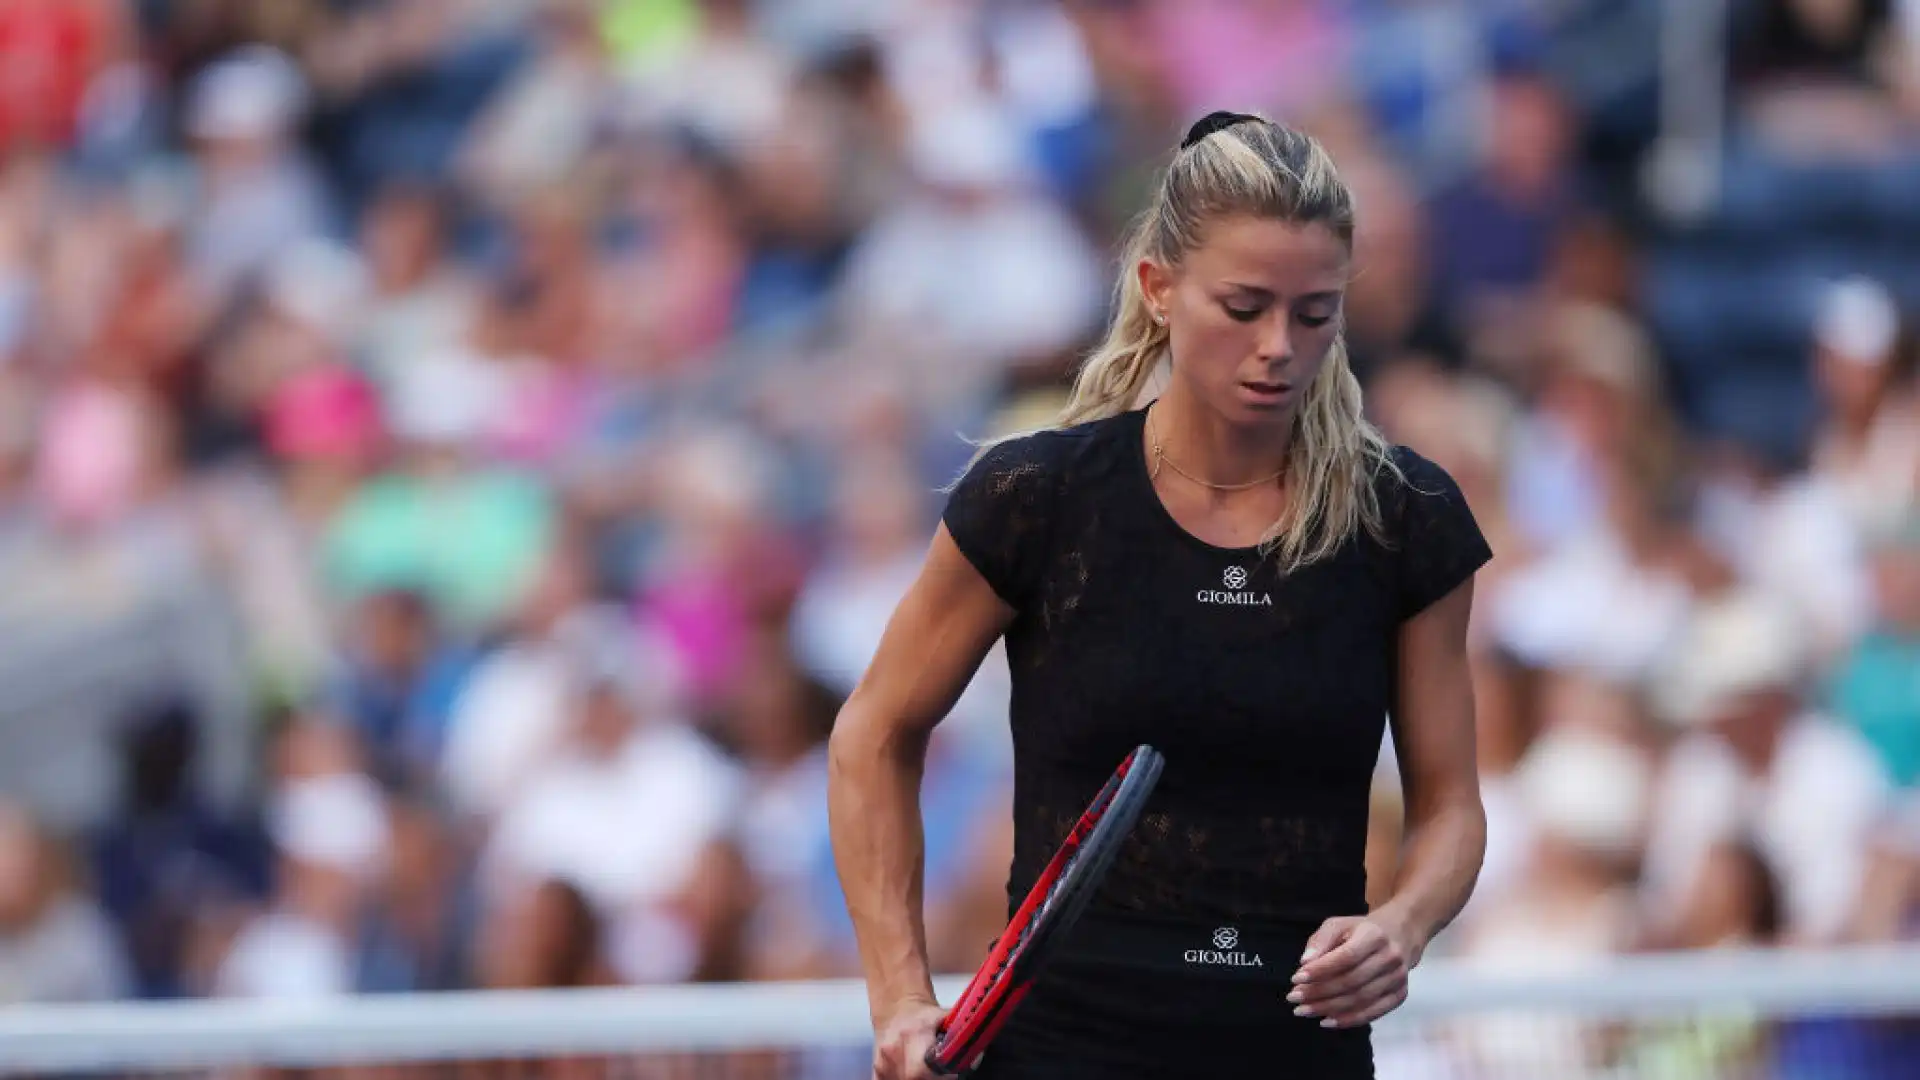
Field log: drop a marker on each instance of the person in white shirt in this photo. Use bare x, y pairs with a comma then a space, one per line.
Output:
626, 810
1755, 764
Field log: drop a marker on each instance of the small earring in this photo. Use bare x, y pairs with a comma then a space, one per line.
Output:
1159, 318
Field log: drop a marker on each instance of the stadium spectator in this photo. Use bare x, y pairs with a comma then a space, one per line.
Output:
55, 942
1754, 758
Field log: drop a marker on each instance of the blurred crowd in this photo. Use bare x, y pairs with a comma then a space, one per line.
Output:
456, 456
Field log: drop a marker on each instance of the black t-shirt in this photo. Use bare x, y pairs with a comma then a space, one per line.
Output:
1267, 693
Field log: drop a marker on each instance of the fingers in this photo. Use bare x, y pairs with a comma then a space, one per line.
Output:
895, 1063
1362, 941
919, 1069
1330, 935
1381, 1006
1359, 978
1313, 996
900, 1048
1372, 1000
904, 1062
902, 1059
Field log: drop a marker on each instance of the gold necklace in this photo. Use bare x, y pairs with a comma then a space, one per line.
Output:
1160, 456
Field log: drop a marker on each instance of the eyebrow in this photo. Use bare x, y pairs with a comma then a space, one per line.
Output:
1262, 293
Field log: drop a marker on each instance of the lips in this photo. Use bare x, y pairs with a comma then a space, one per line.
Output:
1266, 396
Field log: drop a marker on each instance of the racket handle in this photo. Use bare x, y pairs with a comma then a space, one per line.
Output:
933, 1062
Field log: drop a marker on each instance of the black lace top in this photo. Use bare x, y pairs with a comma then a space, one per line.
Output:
1267, 694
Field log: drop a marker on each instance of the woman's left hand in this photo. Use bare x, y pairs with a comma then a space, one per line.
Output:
1354, 970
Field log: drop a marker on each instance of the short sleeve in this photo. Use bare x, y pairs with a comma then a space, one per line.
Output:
1439, 544
998, 516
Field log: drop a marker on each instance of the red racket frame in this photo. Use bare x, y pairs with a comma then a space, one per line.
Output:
1050, 907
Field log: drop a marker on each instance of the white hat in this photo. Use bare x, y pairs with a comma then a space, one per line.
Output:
1586, 787
1743, 644
338, 820
251, 93
1858, 320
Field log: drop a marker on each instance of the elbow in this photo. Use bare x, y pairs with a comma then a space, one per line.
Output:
864, 736
849, 767
846, 743
858, 742
868, 758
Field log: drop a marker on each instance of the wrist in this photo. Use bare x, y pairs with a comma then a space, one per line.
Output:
891, 1003
1405, 926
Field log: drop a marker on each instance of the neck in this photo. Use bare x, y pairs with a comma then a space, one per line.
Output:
1197, 440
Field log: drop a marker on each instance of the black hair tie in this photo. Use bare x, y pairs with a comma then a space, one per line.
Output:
1212, 122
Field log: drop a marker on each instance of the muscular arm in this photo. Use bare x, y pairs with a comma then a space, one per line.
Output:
1433, 738
1355, 967
934, 643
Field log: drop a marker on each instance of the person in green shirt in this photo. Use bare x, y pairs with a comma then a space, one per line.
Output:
470, 539
1877, 687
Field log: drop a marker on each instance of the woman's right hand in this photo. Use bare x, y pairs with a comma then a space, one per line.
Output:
902, 1039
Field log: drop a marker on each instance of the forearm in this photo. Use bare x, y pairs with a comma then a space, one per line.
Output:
873, 803
1439, 863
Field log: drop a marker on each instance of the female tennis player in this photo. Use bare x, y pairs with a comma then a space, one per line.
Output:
1241, 573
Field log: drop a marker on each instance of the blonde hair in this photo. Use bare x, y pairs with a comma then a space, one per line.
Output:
1250, 166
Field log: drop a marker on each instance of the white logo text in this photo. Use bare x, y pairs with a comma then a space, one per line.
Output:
1223, 954
1235, 594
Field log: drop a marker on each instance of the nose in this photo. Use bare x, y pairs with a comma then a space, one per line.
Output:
1276, 340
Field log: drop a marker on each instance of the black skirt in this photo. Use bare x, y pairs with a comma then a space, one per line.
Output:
1144, 999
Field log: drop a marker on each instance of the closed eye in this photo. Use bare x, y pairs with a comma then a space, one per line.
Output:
1315, 320
1242, 314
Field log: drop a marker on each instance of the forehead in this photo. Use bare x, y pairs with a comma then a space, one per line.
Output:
1284, 258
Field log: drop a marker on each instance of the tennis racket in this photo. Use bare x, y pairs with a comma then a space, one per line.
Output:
1051, 907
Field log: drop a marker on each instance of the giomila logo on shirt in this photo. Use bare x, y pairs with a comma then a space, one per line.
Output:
1236, 592
1226, 952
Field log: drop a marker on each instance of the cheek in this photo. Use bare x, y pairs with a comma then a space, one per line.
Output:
1212, 346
